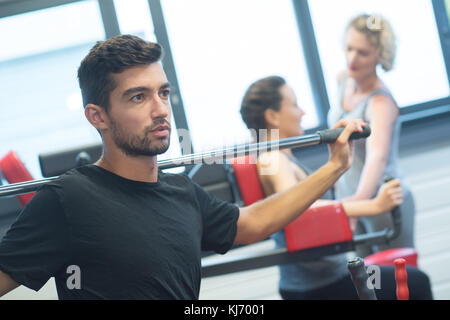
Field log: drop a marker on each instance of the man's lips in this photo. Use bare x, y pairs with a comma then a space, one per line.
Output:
161, 131
160, 128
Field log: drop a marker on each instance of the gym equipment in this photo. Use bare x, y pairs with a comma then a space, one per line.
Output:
401, 279
82, 159
317, 232
359, 278
386, 257
56, 163
245, 171
320, 137
15, 171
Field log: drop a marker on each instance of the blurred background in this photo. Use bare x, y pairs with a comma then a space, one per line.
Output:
213, 50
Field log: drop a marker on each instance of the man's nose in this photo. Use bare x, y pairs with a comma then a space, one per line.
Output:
160, 108
302, 112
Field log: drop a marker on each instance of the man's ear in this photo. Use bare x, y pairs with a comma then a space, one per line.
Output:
272, 118
97, 116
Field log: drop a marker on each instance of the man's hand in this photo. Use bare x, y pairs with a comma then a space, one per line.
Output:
341, 152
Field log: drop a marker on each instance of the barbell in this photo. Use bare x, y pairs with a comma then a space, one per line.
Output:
326, 136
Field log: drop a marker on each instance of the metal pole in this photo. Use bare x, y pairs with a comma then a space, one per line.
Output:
228, 153
209, 157
203, 157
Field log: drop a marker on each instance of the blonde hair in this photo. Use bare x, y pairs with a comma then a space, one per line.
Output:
379, 33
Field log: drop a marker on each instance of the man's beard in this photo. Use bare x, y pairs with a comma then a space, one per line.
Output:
140, 145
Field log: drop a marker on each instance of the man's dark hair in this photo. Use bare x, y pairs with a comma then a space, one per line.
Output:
261, 95
112, 56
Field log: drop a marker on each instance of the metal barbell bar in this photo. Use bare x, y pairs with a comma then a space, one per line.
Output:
320, 137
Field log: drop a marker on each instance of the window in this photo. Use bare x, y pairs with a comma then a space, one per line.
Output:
419, 73
40, 101
447, 5
134, 18
219, 49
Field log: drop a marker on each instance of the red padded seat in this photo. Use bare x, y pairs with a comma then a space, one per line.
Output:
387, 257
15, 171
316, 227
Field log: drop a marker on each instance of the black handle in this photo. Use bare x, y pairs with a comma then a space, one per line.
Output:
82, 159
331, 135
396, 217
360, 277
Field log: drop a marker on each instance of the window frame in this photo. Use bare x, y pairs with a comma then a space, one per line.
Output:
307, 38
407, 113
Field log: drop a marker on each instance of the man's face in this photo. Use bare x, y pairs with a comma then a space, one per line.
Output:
139, 112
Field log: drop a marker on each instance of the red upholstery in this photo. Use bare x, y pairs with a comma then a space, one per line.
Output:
387, 257
14, 171
316, 227
247, 179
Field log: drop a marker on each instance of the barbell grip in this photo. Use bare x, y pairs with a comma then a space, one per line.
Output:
323, 136
331, 135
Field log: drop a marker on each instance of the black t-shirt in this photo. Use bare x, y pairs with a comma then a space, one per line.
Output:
117, 238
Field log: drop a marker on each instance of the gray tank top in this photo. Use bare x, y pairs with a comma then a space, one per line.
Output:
348, 183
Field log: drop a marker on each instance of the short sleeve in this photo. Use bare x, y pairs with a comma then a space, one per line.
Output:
219, 221
36, 245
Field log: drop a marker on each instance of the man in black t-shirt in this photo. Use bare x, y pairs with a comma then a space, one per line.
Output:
120, 229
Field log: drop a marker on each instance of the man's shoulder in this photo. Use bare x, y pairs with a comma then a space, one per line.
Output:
71, 175
72, 178
88, 176
92, 173
175, 179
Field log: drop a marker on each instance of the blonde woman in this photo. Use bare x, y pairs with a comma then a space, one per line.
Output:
369, 44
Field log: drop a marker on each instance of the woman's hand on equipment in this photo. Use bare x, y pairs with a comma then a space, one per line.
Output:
389, 196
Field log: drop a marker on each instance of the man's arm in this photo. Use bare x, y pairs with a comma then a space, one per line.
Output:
36, 245
263, 218
6, 284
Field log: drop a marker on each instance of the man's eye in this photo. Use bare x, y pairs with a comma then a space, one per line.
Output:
165, 93
138, 98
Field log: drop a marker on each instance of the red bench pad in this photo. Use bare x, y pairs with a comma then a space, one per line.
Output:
318, 226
